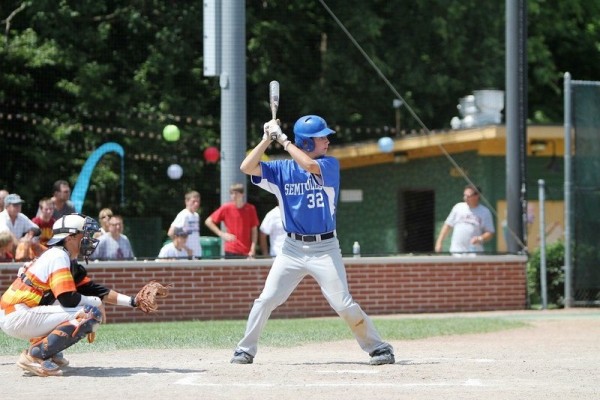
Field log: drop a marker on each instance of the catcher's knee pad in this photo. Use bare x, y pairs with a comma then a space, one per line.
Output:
68, 333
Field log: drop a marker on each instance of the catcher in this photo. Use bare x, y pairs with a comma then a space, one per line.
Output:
54, 304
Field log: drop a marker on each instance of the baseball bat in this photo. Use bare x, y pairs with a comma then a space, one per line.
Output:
274, 98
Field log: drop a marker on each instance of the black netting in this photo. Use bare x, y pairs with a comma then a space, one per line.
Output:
586, 193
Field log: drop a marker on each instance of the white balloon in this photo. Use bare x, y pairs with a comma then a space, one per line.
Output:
386, 144
175, 171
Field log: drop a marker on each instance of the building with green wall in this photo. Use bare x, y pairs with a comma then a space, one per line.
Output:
396, 203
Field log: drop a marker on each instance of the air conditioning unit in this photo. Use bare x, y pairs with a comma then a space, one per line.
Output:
483, 107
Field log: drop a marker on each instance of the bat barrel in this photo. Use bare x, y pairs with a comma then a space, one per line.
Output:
274, 97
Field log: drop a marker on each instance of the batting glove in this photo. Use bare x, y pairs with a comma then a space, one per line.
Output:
281, 137
273, 129
266, 135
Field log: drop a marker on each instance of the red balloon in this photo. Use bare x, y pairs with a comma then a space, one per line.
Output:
211, 154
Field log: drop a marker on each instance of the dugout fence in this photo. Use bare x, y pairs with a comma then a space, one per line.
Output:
582, 192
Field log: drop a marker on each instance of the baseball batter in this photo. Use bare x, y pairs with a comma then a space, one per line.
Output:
307, 189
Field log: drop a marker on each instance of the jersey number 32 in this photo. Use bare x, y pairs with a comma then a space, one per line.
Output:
315, 200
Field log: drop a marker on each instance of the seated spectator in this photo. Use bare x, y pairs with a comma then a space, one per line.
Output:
45, 219
114, 245
176, 249
3, 194
13, 220
29, 247
7, 244
103, 218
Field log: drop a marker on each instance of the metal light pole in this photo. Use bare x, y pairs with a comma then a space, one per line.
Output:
543, 270
516, 121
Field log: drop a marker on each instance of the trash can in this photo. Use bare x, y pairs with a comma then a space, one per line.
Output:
211, 246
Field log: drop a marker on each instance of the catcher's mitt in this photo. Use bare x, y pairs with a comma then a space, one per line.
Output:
145, 300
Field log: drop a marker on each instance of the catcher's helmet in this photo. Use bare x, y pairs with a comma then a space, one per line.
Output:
308, 127
73, 224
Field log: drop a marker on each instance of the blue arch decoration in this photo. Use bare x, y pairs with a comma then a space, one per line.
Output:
83, 181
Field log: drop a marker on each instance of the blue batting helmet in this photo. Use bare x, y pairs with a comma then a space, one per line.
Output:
308, 127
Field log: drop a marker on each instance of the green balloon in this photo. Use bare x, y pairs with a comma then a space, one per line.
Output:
171, 133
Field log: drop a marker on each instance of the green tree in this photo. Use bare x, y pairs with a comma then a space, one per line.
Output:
79, 74
76, 74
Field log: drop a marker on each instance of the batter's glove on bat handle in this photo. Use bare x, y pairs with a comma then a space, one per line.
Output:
282, 138
270, 129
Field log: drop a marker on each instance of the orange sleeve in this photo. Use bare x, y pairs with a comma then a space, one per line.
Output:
61, 281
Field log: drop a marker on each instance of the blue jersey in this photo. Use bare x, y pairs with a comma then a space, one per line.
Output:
307, 201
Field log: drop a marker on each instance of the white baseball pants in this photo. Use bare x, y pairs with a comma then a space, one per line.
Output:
323, 261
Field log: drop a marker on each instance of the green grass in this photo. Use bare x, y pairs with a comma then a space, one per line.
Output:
278, 332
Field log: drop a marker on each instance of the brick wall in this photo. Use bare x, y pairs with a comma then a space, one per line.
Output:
225, 289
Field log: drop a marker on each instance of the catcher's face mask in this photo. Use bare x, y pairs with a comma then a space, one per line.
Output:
74, 224
88, 243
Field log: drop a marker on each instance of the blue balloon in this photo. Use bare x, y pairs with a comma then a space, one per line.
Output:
83, 181
174, 171
386, 144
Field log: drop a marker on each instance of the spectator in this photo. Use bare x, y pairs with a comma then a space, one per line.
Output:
189, 220
62, 194
45, 219
114, 245
103, 217
241, 221
272, 226
29, 247
3, 194
13, 220
176, 249
471, 224
7, 244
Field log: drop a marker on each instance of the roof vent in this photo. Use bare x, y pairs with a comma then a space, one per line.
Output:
483, 107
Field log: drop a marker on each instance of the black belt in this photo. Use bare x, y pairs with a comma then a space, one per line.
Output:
311, 238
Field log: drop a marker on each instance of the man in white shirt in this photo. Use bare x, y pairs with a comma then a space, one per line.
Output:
471, 223
13, 220
189, 220
272, 226
3, 194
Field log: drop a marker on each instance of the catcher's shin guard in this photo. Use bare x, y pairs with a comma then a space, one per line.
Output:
68, 333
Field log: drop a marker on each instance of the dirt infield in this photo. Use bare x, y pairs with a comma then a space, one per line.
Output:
557, 356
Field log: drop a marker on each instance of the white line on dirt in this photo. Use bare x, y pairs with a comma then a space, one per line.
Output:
349, 371
193, 381
476, 360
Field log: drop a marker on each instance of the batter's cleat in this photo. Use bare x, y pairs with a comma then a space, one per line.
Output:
241, 357
382, 356
60, 360
38, 366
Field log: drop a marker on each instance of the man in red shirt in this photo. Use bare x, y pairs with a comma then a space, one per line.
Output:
241, 220
45, 220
